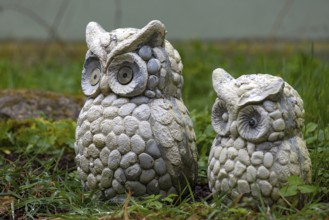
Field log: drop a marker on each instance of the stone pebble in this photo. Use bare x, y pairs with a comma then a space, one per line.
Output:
137, 144
95, 127
87, 139
111, 141
145, 52
243, 186
160, 54
211, 163
106, 126
153, 187
136, 187
153, 149
223, 155
126, 109
111, 112
244, 157
108, 100
98, 166
118, 187
229, 165
133, 172
104, 156
91, 181
216, 167
94, 113
276, 114
232, 153
99, 140
152, 82
263, 173
109, 193
162, 82
268, 160
265, 187
239, 168
146, 161
160, 166
131, 125
165, 182
139, 100
84, 127
269, 106
128, 159
225, 185
251, 174
257, 157
124, 144
93, 151
146, 176
88, 104
82, 174
158, 93
120, 176
120, 101
144, 130
142, 112
153, 66
149, 93
232, 181
118, 125
114, 159
84, 164
239, 143
98, 100
217, 151
279, 125
274, 136
106, 178
250, 148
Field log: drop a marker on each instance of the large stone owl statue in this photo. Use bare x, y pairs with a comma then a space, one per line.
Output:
258, 120
134, 132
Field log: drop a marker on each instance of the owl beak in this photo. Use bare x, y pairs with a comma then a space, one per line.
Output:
152, 34
219, 78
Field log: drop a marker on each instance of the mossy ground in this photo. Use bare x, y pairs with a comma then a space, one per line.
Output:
38, 177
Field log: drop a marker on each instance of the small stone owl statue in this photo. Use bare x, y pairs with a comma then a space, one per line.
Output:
134, 132
258, 120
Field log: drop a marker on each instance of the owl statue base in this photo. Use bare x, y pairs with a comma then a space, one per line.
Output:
134, 132
258, 120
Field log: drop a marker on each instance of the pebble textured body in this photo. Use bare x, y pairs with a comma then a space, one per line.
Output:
134, 131
258, 120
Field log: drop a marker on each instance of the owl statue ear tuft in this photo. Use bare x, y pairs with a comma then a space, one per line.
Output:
95, 38
220, 77
270, 89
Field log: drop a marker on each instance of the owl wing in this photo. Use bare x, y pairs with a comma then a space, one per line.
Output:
173, 131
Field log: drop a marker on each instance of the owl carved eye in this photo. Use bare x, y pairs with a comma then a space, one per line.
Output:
128, 75
125, 75
95, 76
220, 117
253, 123
91, 76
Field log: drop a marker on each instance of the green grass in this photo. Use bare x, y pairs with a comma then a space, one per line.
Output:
37, 174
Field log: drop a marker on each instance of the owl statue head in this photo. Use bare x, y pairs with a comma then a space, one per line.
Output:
258, 120
134, 132
131, 62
